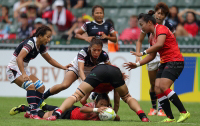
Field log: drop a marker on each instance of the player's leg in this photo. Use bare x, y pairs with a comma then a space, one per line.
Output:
133, 104
70, 77
18, 109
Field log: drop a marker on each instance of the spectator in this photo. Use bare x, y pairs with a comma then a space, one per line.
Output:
17, 5
44, 6
112, 47
190, 27
38, 23
25, 29
31, 10
63, 18
133, 32
4, 19
173, 16
75, 4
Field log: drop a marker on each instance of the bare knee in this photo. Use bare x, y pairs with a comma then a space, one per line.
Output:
157, 90
41, 89
31, 87
64, 86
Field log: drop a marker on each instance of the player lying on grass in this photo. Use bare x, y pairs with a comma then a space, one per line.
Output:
102, 73
74, 113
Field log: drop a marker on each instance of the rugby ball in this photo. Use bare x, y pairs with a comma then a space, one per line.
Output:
107, 115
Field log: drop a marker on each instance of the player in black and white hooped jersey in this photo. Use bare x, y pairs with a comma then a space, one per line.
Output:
83, 63
98, 28
18, 73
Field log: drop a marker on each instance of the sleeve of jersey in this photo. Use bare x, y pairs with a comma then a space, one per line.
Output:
81, 56
111, 29
28, 46
43, 49
106, 57
89, 105
84, 27
161, 30
171, 28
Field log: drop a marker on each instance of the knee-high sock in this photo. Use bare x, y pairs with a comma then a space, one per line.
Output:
31, 99
47, 94
173, 97
164, 102
153, 99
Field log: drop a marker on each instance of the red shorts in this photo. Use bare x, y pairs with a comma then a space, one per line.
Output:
103, 88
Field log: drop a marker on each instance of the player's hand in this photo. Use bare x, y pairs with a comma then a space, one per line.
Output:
136, 54
130, 65
103, 36
101, 109
137, 59
69, 65
88, 39
25, 77
125, 76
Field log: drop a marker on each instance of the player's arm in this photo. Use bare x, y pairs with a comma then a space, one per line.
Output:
81, 70
87, 109
108, 63
116, 101
53, 62
139, 44
160, 43
79, 35
23, 53
112, 37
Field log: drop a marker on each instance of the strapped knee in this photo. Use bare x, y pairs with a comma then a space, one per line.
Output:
38, 84
78, 95
126, 98
26, 84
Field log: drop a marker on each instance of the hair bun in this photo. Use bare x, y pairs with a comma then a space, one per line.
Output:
151, 12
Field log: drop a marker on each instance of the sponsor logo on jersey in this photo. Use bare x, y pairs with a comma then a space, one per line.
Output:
93, 74
30, 43
95, 27
106, 27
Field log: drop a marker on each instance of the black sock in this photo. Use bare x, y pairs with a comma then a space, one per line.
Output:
23, 108
153, 99
41, 113
38, 96
57, 113
141, 114
173, 97
31, 99
164, 102
49, 107
47, 94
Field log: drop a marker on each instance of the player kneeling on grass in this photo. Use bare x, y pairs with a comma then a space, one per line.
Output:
76, 113
101, 74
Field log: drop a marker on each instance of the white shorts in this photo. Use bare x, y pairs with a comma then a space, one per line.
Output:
13, 72
153, 66
86, 72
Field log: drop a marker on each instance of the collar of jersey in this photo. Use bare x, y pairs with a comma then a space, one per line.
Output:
98, 23
35, 39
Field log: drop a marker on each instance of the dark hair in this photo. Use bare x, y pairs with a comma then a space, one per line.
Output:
41, 31
148, 17
23, 15
111, 22
96, 41
7, 8
195, 18
164, 8
102, 96
97, 6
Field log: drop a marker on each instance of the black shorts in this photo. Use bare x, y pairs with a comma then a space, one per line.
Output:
67, 113
170, 70
105, 74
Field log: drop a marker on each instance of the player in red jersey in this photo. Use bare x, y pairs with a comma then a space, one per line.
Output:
163, 41
77, 113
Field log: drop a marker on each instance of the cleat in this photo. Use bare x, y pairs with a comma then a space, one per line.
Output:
34, 117
42, 105
51, 118
161, 113
27, 114
169, 120
152, 112
145, 120
183, 117
16, 110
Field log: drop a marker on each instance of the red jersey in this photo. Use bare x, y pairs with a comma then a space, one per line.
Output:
191, 28
170, 51
77, 115
103, 88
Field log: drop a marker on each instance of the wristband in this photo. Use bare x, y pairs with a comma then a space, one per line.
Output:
95, 109
138, 64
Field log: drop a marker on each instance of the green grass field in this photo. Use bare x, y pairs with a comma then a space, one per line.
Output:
128, 117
